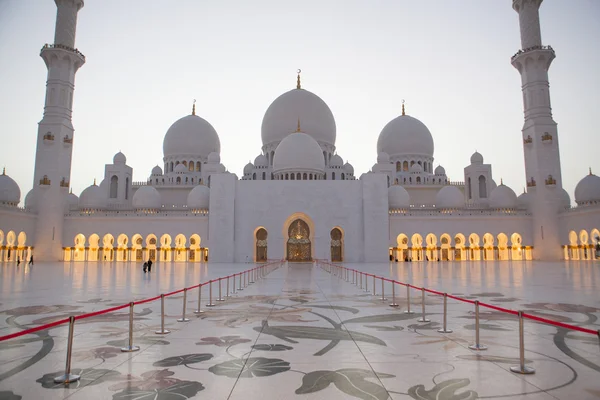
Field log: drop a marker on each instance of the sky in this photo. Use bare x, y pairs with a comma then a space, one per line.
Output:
147, 60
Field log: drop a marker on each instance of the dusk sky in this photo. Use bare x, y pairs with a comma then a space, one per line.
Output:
147, 60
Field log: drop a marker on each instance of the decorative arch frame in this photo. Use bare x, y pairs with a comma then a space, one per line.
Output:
503, 247
255, 243
341, 244
516, 246
417, 247
431, 241
311, 226
474, 248
151, 247
94, 247
122, 247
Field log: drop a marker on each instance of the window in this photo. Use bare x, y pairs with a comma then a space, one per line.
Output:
343, 176
398, 166
333, 176
198, 166
418, 179
114, 185
469, 188
287, 177
171, 169
126, 188
191, 166
293, 177
304, 177
298, 176
254, 176
482, 187
264, 176
178, 180
405, 166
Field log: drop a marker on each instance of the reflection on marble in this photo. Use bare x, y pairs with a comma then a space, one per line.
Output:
300, 332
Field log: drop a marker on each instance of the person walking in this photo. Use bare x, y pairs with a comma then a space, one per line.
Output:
149, 265
18, 261
31, 260
145, 266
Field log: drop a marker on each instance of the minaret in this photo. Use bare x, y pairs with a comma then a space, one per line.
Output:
55, 132
540, 135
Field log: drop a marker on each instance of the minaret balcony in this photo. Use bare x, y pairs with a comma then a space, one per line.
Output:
45, 181
67, 141
64, 183
48, 138
550, 181
546, 138
528, 140
533, 48
531, 182
62, 47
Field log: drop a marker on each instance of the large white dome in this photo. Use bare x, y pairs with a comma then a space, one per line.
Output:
405, 135
10, 193
449, 197
31, 200
191, 136
72, 202
283, 114
503, 197
524, 200
147, 198
398, 197
588, 189
93, 198
199, 198
298, 152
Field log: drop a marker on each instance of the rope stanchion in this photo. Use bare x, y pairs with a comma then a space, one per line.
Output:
374, 290
423, 318
522, 368
245, 279
393, 303
163, 331
382, 290
210, 302
199, 309
251, 279
227, 294
220, 298
408, 310
240, 285
131, 347
183, 318
445, 329
477, 345
367, 283
68, 377
361, 276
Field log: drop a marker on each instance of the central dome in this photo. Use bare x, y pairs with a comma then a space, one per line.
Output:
405, 135
298, 104
191, 136
298, 152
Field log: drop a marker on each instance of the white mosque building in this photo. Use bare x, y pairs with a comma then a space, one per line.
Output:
299, 200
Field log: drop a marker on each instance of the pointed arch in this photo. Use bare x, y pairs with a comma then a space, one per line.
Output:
107, 247
180, 248
122, 247
302, 246
94, 241
445, 247
137, 244
337, 244
195, 241
151, 243
432, 254
459, 247
79, 248
488, 247
165, 247
261, 237
417, 247
502, 246
474, 249
516, 246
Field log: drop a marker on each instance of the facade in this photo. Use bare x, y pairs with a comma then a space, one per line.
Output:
298, 200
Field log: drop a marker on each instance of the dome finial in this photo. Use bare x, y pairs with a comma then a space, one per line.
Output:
298, 79
403, 113
194, 107
590, 171
94, 181
4, 171
298, 127
501, 182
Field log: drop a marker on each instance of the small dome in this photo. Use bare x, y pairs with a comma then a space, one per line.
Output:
405, 135
248, 168
181, 169
439, 170
214, 158
449, 197
415, 168
524, 200
72, 201
349, 168
565, 200
298, 152
157, 170
503, 197
191, 136
31, 200
93, 198
493, 185
261, 161
398, 197
336, 161
147, 198
476, 158
119, 158
283, 114
588, 189
199, 198
9, 190
383, 158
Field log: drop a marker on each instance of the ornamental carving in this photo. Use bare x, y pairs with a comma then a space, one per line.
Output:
45, 180
299, 245
48, 136
64, 183
531, 182
546, 137
550, 180
529, 140
261, 243
68, 140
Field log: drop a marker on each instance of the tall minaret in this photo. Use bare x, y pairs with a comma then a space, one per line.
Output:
540, 135
55, 132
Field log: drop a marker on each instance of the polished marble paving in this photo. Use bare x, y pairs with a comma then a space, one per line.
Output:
301, 333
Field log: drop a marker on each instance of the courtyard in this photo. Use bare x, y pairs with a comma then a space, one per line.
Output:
300, 332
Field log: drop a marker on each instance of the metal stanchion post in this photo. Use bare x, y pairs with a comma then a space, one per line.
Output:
251, 279
199, 309
162, 331
444, 329
423, 319
183, 318
131, 347
382, 290
245, 279
68, 377
240, 284
220, 296
367, 283
361, 274
522, 368
477, 345
210, 303
393, 303
374, 290
353, 277
408, 311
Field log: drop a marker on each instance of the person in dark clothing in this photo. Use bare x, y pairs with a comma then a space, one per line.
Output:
145, 267
18, 261
31, 260
149, 265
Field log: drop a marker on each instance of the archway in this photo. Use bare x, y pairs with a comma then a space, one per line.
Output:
137, 243
260, 245
459, 247
107, 247
180, 249
445, 247
431, 241
488, 247
195, 247
165, 247
94, 246
474, 249
516, 246
299, 243
502, 247
337, 245
79, 248
21, 246
122, 241
573, 245
151, 246
595, 248
11, 237
2, 247
402, 243
417, 247
585, 247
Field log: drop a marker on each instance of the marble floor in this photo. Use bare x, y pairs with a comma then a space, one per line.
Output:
300, 333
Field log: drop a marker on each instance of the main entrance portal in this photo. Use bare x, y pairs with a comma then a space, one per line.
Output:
298, 245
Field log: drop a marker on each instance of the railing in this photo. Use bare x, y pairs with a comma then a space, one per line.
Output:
63, 47
163, 212
356, 276
532, 48
249, 276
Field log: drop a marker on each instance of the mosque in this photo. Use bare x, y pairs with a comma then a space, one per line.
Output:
299, 200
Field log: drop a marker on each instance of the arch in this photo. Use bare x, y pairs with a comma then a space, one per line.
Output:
292, 176
171, 169
417, 247
254, 176
337, 244
180, 248
79, 251
114, 186
398, 166
402, 248
260, 244
502, 247
304, 176
127, 188
298, 176
405, 166
191, 166
184, 163
178, 180
445, 247
468, 188
584, 246
21, 239
516, 246
418, 179
151, 242
94, 242
137, 244
573, 245
298, 232
482, 187
432, 254
165, 247
343, 177
195, 241
474, 249
333, 176
122, 248
264, 176
459, 247
488, 247
107, 247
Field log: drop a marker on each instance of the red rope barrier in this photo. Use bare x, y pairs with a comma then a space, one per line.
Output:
501, 309
146, 300
561, 324
32, 330
107, 310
